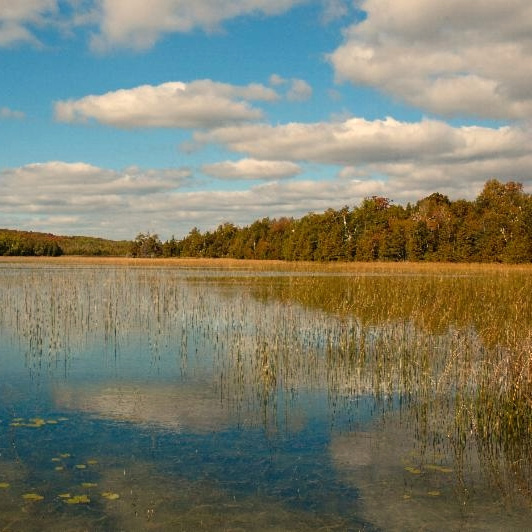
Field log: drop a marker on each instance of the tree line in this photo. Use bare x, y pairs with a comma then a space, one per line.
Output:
495, 227
29, 243
25, 243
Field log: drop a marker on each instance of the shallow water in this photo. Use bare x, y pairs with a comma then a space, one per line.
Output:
140, 399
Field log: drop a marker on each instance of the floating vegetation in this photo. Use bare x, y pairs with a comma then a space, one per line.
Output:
439, 469
32, 497
78, 499
109, 495
35, 422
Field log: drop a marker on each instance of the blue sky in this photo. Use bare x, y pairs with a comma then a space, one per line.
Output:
126, 116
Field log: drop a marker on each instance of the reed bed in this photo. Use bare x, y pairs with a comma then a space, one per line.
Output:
276, 265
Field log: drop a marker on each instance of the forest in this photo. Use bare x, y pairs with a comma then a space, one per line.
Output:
494, 227
34, 244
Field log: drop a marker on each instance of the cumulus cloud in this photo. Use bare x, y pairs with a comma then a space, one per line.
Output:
299, 90
139, 24
61, 187
453, 58
133, 24
17, 18
79, 198
357, 141
202, 103
252, 169
334, 9
10, 114
413, 159
276, 80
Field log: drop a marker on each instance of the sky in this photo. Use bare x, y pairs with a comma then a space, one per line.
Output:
126, 116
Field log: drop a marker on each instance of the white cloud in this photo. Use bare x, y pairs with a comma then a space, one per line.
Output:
136, 24
68, 184
412, 159
276, 80
252, 169
17, 17
299, 90
202, 103
139, 24
334, 9
79, 198
10, 114
357, 141
451, 58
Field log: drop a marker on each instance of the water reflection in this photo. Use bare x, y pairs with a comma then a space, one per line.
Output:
176, 408
267, 402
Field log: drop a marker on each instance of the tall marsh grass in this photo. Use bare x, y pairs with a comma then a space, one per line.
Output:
455, 345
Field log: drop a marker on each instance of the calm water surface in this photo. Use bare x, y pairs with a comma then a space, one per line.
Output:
146, 399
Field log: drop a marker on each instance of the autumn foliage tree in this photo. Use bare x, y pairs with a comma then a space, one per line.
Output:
496, 226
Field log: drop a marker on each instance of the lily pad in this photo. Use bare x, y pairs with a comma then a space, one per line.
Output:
78, 499
440, 469
32, 497
109, 495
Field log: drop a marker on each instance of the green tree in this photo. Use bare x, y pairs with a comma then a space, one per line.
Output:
146, 246
500, 209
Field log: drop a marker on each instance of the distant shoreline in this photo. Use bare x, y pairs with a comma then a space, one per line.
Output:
272, 265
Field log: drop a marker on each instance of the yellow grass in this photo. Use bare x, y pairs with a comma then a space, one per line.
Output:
277, 265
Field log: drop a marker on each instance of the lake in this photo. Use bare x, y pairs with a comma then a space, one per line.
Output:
205, 398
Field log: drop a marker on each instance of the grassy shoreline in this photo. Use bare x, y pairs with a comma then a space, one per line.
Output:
277, 265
